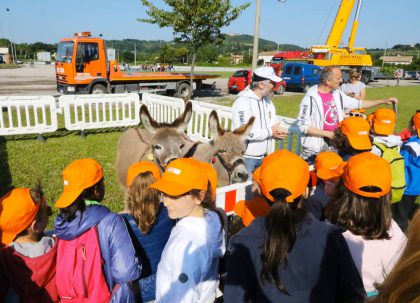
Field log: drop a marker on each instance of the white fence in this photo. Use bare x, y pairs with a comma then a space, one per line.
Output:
83, 112
27, 115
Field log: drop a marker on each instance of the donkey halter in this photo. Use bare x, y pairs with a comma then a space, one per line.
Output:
229, 167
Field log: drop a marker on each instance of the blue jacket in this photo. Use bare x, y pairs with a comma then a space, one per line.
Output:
149, 247
320, 267
120, 261
410, 150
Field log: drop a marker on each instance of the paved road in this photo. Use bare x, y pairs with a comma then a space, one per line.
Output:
40, 80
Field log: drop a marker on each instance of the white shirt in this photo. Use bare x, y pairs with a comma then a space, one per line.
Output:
188, 269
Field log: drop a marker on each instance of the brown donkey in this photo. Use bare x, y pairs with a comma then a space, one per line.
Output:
162, 143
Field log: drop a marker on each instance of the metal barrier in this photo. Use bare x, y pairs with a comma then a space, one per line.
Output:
83, 112
27, 115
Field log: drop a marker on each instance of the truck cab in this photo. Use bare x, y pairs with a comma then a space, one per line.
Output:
81, 64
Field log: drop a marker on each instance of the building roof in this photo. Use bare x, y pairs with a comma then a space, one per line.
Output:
401, 59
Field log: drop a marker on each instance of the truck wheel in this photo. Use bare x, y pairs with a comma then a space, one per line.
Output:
280, 90
366, 78
183, 91
98, 89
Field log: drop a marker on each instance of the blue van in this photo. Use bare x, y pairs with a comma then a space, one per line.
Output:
300, 75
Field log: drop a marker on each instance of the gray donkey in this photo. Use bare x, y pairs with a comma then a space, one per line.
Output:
163, 142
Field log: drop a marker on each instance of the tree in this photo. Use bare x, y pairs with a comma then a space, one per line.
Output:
194, 22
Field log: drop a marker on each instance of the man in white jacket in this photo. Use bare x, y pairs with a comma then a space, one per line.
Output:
255, 101
323, 108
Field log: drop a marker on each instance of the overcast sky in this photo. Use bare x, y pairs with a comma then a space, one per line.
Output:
382, 23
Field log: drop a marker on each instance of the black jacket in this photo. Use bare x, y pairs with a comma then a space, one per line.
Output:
319, 268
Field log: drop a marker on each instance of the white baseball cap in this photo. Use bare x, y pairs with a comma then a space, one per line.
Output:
265, 73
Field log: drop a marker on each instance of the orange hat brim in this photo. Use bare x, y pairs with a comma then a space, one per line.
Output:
172, 188
360, 143
67, 198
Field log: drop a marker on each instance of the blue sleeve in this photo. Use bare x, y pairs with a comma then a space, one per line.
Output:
121, 263
240, 278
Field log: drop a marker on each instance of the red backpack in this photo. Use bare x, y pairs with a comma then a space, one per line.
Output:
79, 273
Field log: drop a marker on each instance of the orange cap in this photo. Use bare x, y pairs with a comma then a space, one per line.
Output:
284, 169
78, 175
384, 121
256, 175
416, 122
328, 165
142, 167
367, 169
212, 177
18, 211
357, 132
181, 176
249, 210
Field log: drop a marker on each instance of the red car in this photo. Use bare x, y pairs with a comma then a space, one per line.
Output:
241, 78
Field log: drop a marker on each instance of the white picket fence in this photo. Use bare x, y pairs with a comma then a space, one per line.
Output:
38, 115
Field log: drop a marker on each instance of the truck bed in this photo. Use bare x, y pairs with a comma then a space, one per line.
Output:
150, 76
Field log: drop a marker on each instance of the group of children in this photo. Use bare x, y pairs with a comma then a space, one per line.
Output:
344, 242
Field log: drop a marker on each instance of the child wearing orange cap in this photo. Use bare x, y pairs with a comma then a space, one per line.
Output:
148, 222
289, 256
328, 169
27, 262
383, 124
81, 215
361, 204
410, 150
187, 271
352, 137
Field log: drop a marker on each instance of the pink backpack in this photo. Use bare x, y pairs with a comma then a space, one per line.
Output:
79, 273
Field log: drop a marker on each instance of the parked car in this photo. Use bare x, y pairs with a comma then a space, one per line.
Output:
418, 75
242, 78
301, 75
410, 75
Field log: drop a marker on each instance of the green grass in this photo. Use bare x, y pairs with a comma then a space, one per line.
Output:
23, 159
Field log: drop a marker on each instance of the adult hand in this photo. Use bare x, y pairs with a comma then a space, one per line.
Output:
392, 100
351, 94
328, 134
278, 131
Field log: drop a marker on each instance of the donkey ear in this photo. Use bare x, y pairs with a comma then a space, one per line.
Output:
244, 130
147, 121
181, 122
214, 125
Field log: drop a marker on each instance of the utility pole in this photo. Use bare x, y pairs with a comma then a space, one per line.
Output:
256, 35
135, 54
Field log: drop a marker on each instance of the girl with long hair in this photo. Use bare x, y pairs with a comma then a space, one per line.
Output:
289, 255
148, 222
361, 204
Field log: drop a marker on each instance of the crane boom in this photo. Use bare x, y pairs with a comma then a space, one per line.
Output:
340, 23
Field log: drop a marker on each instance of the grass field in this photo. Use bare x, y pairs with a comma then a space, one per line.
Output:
23, 159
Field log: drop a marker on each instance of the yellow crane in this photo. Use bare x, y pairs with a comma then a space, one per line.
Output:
332, 54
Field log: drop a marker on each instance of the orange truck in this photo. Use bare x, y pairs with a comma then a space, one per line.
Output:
82, 67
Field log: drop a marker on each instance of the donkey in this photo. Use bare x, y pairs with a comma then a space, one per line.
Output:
162, 143
157, 142
225, 151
